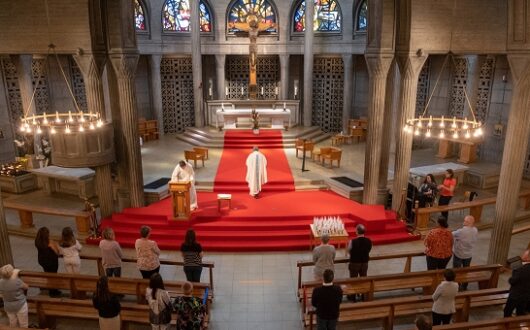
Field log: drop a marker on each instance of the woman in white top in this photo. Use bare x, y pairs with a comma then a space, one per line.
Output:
444, 299
160, 307
69, 248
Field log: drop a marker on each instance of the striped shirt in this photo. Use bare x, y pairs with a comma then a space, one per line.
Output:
191, 254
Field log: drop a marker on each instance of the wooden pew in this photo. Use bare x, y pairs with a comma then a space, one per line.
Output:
519, 322
206, 264
387, 310
521, 230
475, 207
79, 285
486, 276
49, 309
407, 255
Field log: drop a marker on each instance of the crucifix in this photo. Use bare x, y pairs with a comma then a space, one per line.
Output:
253, 25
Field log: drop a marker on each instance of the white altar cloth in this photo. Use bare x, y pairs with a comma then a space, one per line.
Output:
438, 170
228, 117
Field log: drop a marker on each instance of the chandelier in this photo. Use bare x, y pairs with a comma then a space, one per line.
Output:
442, 127
72, 121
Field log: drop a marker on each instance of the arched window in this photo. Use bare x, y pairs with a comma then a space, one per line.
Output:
176, 16
240, 9
139, 16
362, 17
328, 17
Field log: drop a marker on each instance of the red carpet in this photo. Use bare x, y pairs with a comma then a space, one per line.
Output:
277, 221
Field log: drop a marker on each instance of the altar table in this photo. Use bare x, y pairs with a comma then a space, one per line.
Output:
228, 117
438, 170
73, 181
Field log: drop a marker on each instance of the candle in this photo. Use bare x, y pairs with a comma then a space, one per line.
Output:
262, 90
226, 91
222, 107
242, 90
295, 91
276, 90
210, 91
284, 105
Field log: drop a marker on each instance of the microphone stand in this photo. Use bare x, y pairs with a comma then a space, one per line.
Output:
303, 157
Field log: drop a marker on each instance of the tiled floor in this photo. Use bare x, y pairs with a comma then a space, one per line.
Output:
256, 290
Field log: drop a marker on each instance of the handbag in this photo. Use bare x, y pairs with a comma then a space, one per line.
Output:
164, 317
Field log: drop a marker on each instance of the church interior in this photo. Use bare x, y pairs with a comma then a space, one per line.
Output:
267, 128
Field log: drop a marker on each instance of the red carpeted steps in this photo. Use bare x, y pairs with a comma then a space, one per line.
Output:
277, 221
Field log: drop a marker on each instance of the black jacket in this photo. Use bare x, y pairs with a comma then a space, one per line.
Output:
520, 283
326, 300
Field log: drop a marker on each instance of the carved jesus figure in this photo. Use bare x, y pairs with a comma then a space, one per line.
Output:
253, 25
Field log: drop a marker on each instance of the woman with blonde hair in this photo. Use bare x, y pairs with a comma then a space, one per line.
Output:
12, 290
111, 254
69, 248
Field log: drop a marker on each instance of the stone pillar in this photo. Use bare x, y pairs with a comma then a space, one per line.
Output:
387, 129
347, 96
25, 81
410, 68
378, 66
156, 90
284, 76
196, 57
6, 255
91, 67
220, 60
513, 159
308, 63
125, 68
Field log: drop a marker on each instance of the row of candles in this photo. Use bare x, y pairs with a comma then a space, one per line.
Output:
276, 91
328, 225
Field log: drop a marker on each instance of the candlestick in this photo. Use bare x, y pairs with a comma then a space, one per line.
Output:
226, 91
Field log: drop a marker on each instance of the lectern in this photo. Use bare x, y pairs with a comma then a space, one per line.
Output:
181, 199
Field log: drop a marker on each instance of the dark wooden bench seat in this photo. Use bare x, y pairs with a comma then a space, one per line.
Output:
519, 322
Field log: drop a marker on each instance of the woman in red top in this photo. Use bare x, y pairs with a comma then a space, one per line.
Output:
447, 190
439, 246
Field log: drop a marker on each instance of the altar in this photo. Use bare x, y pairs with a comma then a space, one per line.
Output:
279, 118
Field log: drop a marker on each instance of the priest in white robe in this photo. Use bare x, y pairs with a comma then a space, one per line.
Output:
256, 171
184, 173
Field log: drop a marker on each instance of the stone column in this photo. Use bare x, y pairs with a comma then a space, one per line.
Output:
125, 68
308, 63
25, 81
347, 96
6, 255
156, 90
220, 60
196, 57
387, 129
378, 66
284, 76
410, 68
91, 67
513, 159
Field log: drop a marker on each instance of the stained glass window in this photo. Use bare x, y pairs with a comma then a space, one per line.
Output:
176, 16
139, 16
328, 17
362, 17
240, 10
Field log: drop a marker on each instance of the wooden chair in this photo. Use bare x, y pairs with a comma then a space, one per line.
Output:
319, 154
309, 146
189, 154
357, 132
142, 130
334, 154
201, 151
152, 129
337, 140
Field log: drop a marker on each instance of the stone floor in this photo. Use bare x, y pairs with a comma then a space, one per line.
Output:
258, 290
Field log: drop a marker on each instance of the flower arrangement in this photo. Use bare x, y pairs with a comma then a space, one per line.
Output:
255, 119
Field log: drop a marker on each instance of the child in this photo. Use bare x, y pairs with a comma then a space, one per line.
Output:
69, 248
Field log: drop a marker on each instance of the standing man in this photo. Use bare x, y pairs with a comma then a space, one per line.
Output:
184, 173
324, 257
256, 171
326, 299
519, 289
359, 250
464, 240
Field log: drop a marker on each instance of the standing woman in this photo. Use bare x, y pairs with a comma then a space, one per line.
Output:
444, 299
147, 253
447, 190
428, 191
12, 291
192, 254
48, 255
107, 305
439, 246
111, 254
69, 248
160, 307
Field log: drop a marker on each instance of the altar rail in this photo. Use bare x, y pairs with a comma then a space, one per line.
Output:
206, 264
408, 263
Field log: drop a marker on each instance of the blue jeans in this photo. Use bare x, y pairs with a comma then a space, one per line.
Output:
326, 324
193, 273
113, 272
459, 263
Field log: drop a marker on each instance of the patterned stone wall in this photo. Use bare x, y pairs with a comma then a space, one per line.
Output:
177, 94
39, 69
422, 95
14, 100
328, 90
237, 73
78, 85
459, 80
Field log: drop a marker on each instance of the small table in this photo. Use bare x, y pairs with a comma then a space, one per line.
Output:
224, 197
314, 238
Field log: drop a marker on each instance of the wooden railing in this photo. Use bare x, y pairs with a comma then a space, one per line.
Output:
206, 264
475, 207
519, 322
407, 255
520, 230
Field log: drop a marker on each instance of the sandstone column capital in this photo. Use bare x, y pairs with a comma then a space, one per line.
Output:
90, 65
410, 65
124, 65
378, 64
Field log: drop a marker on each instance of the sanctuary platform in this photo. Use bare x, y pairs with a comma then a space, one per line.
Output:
277, 221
